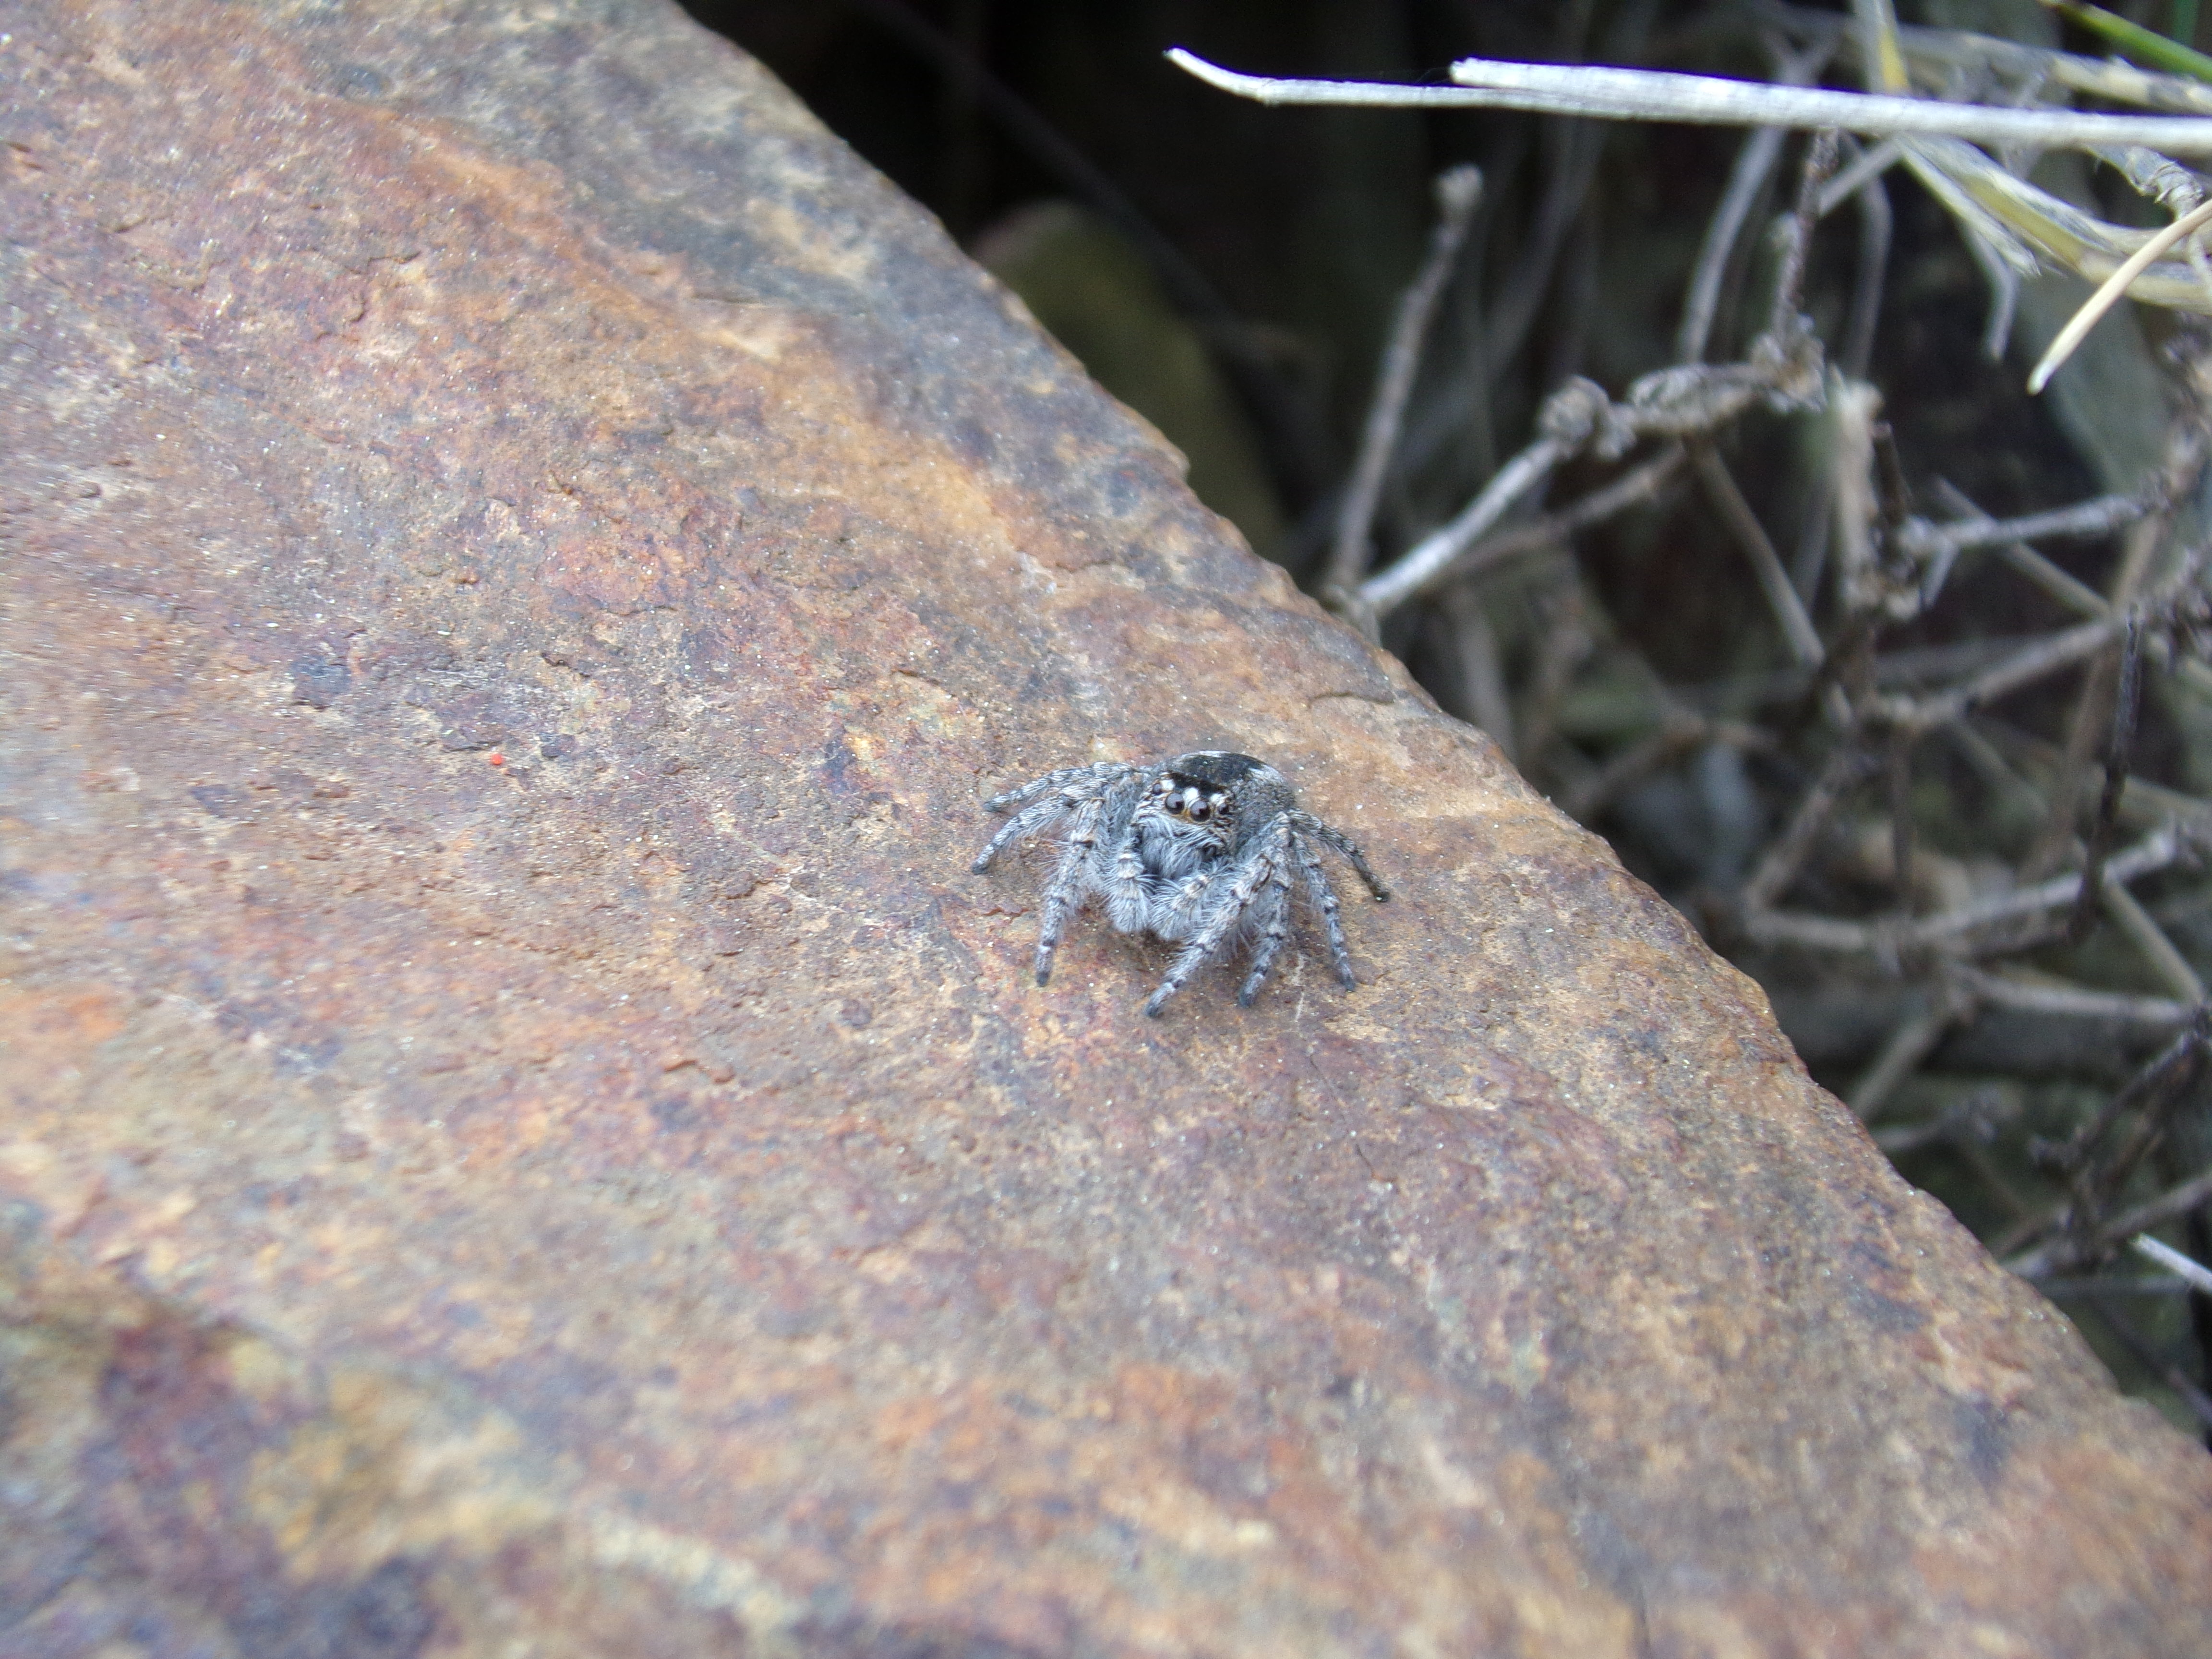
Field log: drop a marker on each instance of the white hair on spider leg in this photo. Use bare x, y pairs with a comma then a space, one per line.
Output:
1203, 851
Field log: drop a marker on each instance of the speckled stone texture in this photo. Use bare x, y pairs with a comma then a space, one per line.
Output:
519, 1134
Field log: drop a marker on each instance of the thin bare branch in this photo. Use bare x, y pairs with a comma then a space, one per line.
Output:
1869, 165
1846, 767
2098, 517
2093, 704
2168, 1205
1458, 193
1482, 679
1640, 486
1427, 558
1796, 239
1911, 1042
2186, 1268
1798, 633
1754, 162
2045, 657
1713, 100
1876, 226
1954, 929
2069, 1002
2119, 748
2143, 932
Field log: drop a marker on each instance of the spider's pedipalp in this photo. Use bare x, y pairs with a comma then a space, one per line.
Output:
1337, 842
1176, 916
1223, 907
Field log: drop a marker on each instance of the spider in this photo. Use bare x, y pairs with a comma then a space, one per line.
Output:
1197, 850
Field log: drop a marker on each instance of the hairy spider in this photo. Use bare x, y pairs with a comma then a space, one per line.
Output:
1197, 850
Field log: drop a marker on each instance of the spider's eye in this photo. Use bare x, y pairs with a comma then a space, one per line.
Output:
1199, 812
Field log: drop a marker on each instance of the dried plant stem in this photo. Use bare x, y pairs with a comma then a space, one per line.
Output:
1458, 193
1713, 100
2045, 657
2186, 1268
2147, 1355
1876, 225
2099, 516
2127, 912
1680, 734
2068, 1001
2120, 747
2093, 709
2156, 1212
1565, 646
1846, 766
1640, 486
2074, 596
1427, 558
1482, 678
1955, 928
1821, 158
1911, 1041
2149, 1078
1754, 164
1798, 634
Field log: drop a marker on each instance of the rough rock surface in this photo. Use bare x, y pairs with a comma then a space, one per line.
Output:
519, 1133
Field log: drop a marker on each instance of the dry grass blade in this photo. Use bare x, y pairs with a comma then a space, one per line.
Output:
2109, 295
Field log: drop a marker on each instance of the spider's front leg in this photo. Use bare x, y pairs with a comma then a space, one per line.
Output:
1175, 916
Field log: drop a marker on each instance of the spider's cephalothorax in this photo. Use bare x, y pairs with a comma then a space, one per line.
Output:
1200, 850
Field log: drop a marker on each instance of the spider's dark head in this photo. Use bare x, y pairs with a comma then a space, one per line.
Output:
1212, 769
1211, 787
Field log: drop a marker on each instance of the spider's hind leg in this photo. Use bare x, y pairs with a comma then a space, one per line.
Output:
1325, 900
1025, 822
1338, 842
1065, 892
1275, 927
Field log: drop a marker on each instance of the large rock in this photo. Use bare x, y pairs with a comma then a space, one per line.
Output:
523, 559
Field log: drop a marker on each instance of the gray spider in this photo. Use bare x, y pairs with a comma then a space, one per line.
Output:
1197, 850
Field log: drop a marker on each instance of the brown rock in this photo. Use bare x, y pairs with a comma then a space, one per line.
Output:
522, 559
